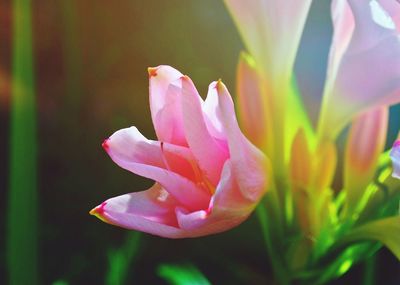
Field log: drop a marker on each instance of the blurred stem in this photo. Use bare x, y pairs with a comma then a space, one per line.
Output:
369, 270
22, 251
279, 269
120, 260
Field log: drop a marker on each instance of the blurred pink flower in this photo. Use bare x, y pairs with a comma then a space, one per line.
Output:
209, 177
364, 63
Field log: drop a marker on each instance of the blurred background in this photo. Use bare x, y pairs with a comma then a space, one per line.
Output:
89, 79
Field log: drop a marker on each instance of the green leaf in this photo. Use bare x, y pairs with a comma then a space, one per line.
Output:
120, 260
386, 231
22, 212
60, 282
182, 275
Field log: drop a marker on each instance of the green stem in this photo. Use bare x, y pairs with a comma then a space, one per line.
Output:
120, 260
369, 270
22, 215
273, 251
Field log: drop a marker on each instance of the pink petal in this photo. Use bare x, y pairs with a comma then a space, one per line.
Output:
151, 211
156, 212
228, 197
165, 104
368, 74
228, 208
343, 25
132, 151
209, 153
248, 163
212, 116
201, 224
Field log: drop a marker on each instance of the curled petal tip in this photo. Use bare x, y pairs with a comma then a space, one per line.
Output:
219, 85
93, 212
152, 71
185, 78
105, 144
98, 212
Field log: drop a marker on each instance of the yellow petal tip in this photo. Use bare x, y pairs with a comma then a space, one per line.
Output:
152, 71
98, 212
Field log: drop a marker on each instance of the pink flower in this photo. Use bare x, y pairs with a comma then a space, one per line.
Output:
364, 64
209, 177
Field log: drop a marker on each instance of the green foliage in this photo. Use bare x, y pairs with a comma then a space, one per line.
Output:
182, 275
386, 231
22, 199
60, 282
120, 260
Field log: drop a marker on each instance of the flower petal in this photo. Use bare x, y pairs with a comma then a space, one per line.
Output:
156, 212
151, 211
242, 182
212, 116
228, 197
200, 223
343, 27
249, 164
165, 104
355, 86
228, 208
132, 151
209, 153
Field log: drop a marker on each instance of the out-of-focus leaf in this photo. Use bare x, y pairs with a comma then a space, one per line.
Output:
386, 231
182, 275
120, 260
22, 220
60, 282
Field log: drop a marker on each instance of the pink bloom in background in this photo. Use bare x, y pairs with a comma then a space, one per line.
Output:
209, 177
364, 63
